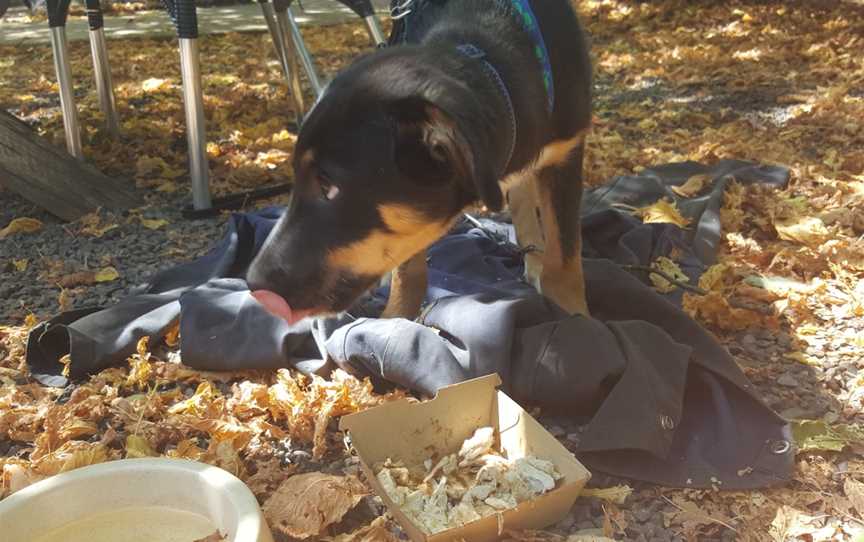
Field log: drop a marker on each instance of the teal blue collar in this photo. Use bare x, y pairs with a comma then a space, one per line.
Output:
532, 26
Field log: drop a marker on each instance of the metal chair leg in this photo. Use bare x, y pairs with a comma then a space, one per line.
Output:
57, 13
287, 58
365, 10
273, 28
190, 68
185, 19
374, 29
286, 20
101, 67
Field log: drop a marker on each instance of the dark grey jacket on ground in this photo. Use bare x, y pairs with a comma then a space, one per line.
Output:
659, 398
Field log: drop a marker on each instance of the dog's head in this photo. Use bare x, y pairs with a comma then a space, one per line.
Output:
384, 164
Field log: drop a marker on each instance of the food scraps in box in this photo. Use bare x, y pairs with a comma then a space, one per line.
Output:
466, 486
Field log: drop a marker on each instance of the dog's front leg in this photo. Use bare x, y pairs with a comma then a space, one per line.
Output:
545, 209
407, 288
559, 196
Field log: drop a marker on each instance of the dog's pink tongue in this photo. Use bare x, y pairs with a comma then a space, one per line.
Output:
277, 306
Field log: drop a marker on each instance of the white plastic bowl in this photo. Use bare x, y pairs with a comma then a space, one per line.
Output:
177, 484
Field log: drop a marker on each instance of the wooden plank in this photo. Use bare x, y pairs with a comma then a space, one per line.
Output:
50, 178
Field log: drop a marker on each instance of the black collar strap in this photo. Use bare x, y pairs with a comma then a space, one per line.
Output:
474, 52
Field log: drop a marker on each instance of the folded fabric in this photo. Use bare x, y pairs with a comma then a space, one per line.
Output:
659, 399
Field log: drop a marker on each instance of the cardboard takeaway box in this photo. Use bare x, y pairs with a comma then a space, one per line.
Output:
414, 432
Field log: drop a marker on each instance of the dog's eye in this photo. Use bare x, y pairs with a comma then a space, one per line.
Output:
328, 191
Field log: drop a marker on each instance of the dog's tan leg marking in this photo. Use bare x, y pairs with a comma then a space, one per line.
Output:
562, 280
407, 288
549, 211
524, 211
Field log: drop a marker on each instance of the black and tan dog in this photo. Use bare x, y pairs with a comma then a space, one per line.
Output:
404, 139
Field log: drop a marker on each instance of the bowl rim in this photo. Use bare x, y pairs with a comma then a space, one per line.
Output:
250, 518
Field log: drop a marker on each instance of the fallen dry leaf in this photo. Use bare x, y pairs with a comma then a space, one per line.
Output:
138, 447
374, 532
140, 369
91, 225
154, 224
21, 265
238, 435
198, 404
15, 476
713, 309
307, 503
811, 435
224, 455
64, 300
172, 336
72, 455
149, 167
80, 278
854, 491
106, 274
616, 494
693, 186
186, 449
662, 212
66, 362
87, 278
167, 187
692, 518
77, 428
803, 358
715, 277
810, 231
155, 85
308, 404
21, 225
790, 524
671, 269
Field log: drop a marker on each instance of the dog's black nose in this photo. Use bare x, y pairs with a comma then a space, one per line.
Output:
262, 275
257, 278
295, 280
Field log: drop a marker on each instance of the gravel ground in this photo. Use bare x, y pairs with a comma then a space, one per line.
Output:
58, 250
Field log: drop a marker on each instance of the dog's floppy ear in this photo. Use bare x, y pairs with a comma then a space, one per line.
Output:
431, 147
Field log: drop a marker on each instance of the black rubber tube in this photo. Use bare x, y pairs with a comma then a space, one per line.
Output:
362, 8
58, 10
187, 19
281, 5
184, 16
94, 14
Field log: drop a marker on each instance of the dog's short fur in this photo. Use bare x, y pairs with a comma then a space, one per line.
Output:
407, 137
